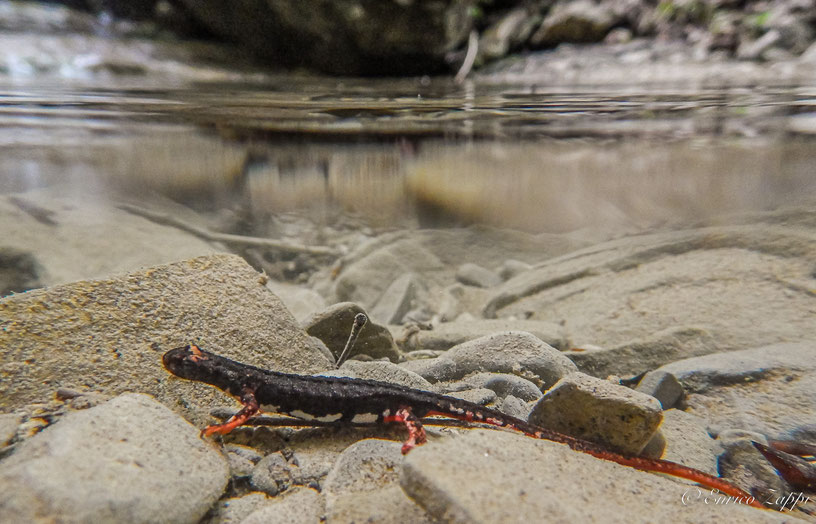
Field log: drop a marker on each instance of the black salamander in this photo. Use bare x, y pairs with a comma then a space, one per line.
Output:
338, 399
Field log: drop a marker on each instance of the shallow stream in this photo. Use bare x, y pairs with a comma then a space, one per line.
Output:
423, 150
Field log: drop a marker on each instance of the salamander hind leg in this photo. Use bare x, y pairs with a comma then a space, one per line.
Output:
416, 433
250, 409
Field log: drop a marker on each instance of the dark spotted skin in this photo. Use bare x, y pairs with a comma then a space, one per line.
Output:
317, 397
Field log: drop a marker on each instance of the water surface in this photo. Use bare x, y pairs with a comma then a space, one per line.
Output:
523, 156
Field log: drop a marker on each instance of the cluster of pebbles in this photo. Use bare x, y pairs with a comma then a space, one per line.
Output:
686, 345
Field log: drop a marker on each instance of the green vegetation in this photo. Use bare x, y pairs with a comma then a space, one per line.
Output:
694, 11
759, 20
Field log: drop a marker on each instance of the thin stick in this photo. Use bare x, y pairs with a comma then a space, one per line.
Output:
165, 219
359, 321
470, 57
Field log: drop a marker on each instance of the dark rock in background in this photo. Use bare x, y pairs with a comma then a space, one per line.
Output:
19, 271
343, 37
333, 326
169, 15
576, 22
132, 9
403, 37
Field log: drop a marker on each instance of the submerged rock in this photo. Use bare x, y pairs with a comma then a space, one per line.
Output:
272, 475
363, 486
449, 334
300, 301
656, 298
475, 275
109, 335
512, 267
688, 442
380, 371
502, 384
110, 464
663, 386
480, 396
333, 326
745, 466
600, 411
30, 222
396, 300
515, 407
643, 354
301, 506
242, 460
514, 352
8, 427
236, 509
19, 271
512, 478
768, 389
433, 256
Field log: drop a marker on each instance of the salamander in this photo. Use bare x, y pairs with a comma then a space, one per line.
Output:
338, 399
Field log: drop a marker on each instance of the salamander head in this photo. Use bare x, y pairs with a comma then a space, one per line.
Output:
175, 358
190, 362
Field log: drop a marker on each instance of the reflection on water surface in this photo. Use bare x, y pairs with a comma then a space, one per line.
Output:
528, 157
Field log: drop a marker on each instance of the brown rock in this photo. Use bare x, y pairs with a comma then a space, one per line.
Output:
599, 411
109, 335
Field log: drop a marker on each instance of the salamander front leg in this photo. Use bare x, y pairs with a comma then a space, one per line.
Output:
416, 433
250, 409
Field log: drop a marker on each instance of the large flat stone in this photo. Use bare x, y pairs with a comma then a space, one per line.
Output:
741, 286
493, 476
128, 460
109, 335
768, 389
61, 234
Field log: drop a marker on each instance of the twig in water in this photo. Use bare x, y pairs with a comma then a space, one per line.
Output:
359, 321
165, 219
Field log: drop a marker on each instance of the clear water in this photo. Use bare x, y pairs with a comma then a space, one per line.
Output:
529, 157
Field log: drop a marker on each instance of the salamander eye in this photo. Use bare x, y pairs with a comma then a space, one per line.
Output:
196, 355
